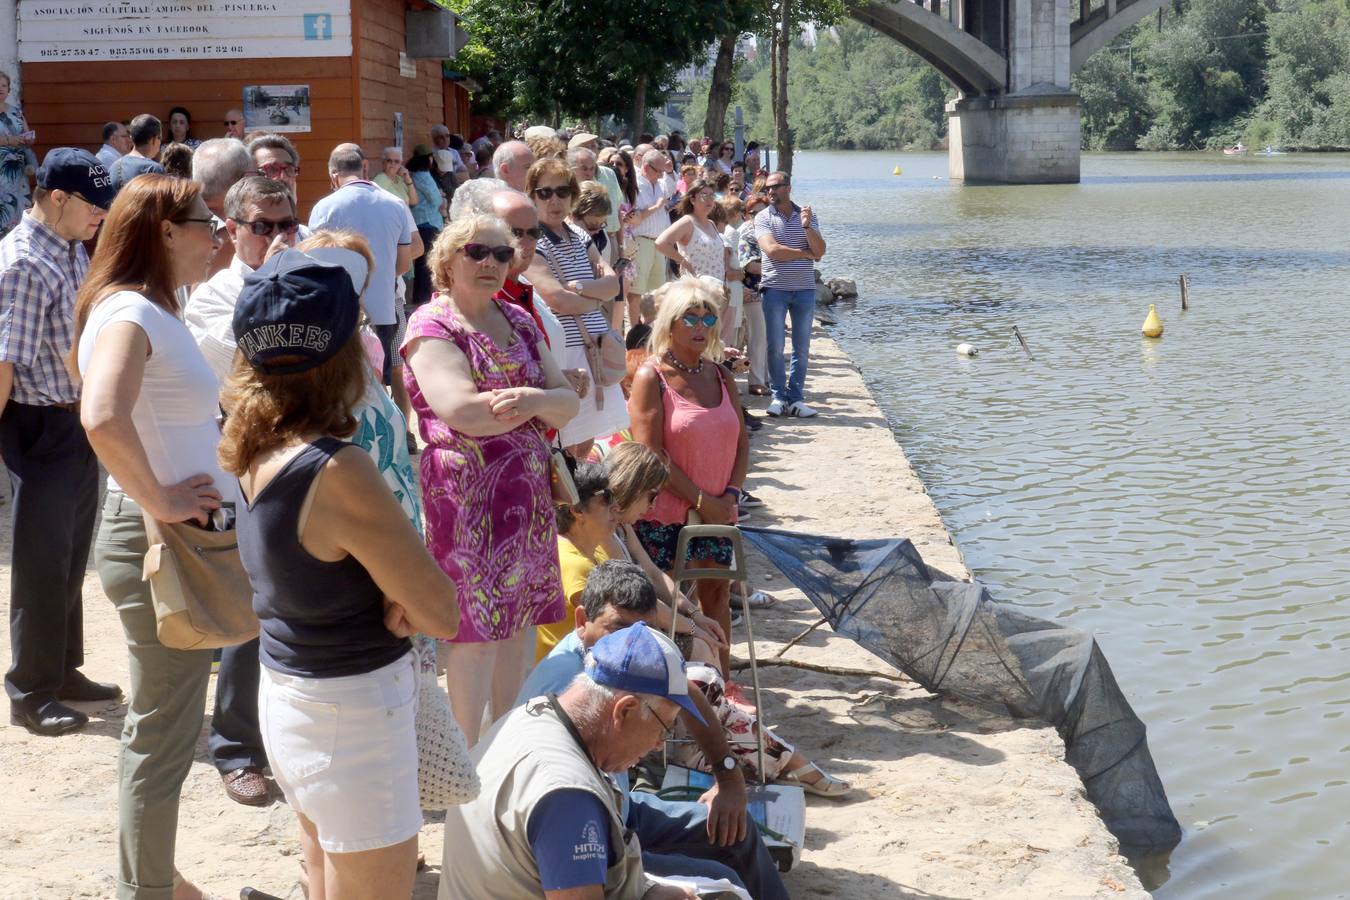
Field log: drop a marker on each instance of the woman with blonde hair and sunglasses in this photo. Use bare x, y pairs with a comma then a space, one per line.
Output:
486, 389
685, 404
149, 405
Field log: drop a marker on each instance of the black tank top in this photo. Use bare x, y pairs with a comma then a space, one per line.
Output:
319, 619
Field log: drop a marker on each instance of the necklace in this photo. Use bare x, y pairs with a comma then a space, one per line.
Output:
670, 358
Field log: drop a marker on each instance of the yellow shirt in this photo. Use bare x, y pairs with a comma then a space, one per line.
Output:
576, 568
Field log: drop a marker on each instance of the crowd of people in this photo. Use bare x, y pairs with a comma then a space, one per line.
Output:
567, 317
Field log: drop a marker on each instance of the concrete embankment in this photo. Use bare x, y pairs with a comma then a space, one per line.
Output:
952, 800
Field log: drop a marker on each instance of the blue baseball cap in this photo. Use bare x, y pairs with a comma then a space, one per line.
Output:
641, 660
298, 305
76, 171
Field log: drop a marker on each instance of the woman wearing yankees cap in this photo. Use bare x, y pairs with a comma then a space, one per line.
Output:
341, 578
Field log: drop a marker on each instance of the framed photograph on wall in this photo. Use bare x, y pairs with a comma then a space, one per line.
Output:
277, 107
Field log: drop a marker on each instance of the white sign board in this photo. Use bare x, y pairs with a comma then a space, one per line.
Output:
56, 30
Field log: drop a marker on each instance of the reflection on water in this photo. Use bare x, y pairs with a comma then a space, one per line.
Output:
1187, 499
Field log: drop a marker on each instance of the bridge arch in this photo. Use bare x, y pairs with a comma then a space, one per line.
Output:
1096, 28
966, 61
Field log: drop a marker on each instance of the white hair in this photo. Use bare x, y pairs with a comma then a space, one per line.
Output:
508, 152
474, 197
398, 150
596, 700
218, 163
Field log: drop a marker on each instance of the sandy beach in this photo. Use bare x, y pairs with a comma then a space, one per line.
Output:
952, 801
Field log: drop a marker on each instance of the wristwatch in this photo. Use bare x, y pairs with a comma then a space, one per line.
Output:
726, 764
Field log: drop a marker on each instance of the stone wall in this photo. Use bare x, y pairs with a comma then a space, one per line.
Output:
1031, 138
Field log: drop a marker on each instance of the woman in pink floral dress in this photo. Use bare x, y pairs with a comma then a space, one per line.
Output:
485, 390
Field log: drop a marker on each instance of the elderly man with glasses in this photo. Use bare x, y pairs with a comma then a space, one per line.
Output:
234, 125
259, 219
53, 473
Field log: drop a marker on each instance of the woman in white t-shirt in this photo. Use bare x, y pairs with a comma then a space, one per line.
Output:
149, 404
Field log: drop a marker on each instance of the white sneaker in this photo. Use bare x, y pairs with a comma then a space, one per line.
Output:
801, 410
776, 408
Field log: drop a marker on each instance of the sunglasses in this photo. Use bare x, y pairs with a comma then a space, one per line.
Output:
480, 252
690, 320
548, 193
229, 122
264, 228
278, 170
533, 234
774, 187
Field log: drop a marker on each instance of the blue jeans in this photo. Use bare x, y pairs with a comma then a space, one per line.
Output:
801, 305
674, 839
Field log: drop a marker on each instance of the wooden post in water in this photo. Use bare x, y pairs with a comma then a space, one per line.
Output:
1023, 341
1185, 281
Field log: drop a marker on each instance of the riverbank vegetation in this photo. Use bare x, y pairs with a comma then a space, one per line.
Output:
1208, 73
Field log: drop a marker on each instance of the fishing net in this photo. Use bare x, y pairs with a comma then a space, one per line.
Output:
953, 638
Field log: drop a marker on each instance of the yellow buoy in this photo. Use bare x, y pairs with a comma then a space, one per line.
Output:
897, 171
1153, 326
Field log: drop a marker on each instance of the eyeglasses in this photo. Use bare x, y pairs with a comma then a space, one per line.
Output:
217, 233
707, 320
278, 170
93, 207
705, 196
533, 234
264, 228
548, 193
668, 730
774, 187
480, 252
727, 150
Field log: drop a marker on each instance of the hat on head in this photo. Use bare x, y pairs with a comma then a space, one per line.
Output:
445, 159
539, 131
641, 660
581, 137
76, 172
295, 305
422, 150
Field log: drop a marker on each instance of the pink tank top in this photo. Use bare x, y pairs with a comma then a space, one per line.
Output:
702, 442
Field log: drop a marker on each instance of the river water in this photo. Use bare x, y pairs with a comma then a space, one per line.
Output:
1186, 499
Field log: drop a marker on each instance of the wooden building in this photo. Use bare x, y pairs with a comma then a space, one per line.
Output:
353, 56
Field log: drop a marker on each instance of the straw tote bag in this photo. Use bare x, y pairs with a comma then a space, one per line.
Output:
445, 772
198, 586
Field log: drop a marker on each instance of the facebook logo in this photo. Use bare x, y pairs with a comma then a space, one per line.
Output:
318, 27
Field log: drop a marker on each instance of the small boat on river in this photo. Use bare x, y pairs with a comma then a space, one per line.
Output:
1237, 149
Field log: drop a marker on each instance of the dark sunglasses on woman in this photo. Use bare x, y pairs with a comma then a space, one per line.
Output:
480, 252
548, 193
690, 320
263, 228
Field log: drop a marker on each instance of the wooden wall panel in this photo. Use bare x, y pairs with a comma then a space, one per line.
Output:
384, 90
60, 107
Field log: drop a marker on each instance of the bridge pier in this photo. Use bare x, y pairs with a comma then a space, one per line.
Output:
1032, 137
1028, 132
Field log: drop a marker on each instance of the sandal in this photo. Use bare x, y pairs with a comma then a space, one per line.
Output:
760, 600
824, 786
759, 390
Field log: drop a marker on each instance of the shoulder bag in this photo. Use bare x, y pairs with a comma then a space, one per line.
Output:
198, 586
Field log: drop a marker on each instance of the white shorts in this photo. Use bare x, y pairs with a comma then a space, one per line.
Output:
344, 752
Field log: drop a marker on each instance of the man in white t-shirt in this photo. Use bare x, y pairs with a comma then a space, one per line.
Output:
358, 204
648, 219
258, 213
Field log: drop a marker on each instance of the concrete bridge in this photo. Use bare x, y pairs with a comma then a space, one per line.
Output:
1017, 120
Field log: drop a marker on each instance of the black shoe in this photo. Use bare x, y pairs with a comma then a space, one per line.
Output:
753, 423
80, 687
50, 718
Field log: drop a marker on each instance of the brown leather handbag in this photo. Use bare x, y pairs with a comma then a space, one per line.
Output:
200, 591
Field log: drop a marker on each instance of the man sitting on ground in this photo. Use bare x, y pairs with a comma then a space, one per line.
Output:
548, 820
712, 838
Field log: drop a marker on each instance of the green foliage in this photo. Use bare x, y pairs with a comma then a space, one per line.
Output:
1267, 72
857, 90
583, 58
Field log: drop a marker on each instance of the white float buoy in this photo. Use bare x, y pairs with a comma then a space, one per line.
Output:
967, 350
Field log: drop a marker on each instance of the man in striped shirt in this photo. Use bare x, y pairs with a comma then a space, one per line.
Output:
648, 219
789, 239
